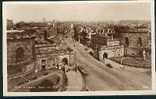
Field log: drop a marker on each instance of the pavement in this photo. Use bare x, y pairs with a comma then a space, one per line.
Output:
102, 78
124, 67
75, 81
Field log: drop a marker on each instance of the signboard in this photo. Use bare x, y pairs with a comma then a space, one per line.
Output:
113, 43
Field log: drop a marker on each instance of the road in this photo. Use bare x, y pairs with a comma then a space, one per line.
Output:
75, 81
101, 77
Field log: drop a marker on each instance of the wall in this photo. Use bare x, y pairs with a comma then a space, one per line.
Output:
132, 52
12, 46
113, 51
51, 55
14, 67
49, 58
133, 39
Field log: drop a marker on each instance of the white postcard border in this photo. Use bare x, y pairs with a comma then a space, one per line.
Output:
77, 93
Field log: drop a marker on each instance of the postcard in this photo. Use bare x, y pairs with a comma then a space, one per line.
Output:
78, 48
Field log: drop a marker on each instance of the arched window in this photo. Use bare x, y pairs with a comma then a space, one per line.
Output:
19, 54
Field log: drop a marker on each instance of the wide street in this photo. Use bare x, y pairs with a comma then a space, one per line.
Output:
75, 81
104, 78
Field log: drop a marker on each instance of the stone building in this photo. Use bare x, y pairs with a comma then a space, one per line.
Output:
35, 49
10, 24
113, 48
20, 51
48, 55
51, 50
104, 44
136, 39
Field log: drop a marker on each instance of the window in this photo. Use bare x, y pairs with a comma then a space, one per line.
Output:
19, 54
43, 63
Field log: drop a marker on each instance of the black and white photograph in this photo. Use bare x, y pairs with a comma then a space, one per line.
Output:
78, 48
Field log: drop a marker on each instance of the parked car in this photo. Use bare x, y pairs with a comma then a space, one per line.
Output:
109, 65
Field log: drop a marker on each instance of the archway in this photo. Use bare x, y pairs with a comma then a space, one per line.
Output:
65, 61
105, 55
43, 64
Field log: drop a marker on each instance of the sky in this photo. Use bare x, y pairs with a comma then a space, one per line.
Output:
77, 12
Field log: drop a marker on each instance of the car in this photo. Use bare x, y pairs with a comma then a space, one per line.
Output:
109, 65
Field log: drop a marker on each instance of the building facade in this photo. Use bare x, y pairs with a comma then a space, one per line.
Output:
112, 49
20, 53
136, 40
49, 56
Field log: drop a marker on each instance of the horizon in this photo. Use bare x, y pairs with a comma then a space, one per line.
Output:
91, 12
41, 21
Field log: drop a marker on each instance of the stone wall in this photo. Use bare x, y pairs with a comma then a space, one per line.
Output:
133, 39
48, 55
50, 59
113, 51
20, 69
12, 46
14, 66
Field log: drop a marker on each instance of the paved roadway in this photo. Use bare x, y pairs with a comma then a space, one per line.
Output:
75, 81
103, 78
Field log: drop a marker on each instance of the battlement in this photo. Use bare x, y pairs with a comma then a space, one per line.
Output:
20, 34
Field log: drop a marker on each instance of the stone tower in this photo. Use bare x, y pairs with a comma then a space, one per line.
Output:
20, 50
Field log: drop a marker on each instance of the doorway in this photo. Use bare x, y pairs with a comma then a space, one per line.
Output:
43, 67
43, 64
65, 61
105, 55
